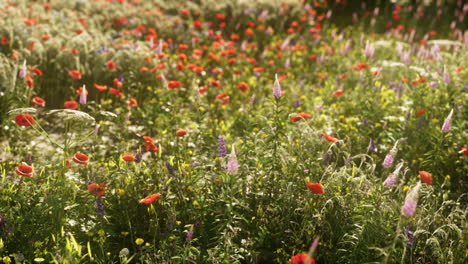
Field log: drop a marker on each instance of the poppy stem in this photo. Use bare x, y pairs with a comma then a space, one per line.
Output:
38, 128
397, 234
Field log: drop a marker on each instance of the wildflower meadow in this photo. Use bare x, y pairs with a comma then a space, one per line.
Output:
219, 131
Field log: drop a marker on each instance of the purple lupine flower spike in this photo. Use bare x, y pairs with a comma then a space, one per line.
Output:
446, 77
83, 96
393, 177
99, 206
160, 48
232, 165
388, 161
447, 123
189, 236
222, 147
369, 50
372, 146
23, 71
409, 234
411, 201
276, 88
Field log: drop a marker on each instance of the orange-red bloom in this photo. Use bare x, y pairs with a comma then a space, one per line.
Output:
24, 170
302, 258
149, 144
361, 66
75, 74
80, 90
116, 92
330, 138
315, 187
128, 157
181, 132
150, 198
174, 84
299, 116
464, 150
338, 93
101, 88
37, 71
117, 83
420, 112
221, 95
24, 120
132, 102
97, 189
38, 101
73, 105
29, 81
243, 87
111, 65
80, 158
426, 177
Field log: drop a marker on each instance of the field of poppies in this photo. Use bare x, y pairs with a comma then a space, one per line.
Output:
292, 131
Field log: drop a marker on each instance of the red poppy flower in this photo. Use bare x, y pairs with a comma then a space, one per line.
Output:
181, 132
74, 51
80, 158
361, 66
73, 105
97, 189
38, 101
330, 138
111, 65
197, 24
420, 112
221, 95
132, 102
30, 21
101, 88
302, 258
148, 139
315, 187
37, 71
215, 83
464, 150
75, 74
24, 170
174, 84
29, 81
116, 92
202, 89
149, 144
300, 116
117, 83
24, 120
150, 198
128, 157
459, 70
321, 76
426, 177
338, 93
243, 87
80, 90
5, 41
151, 147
